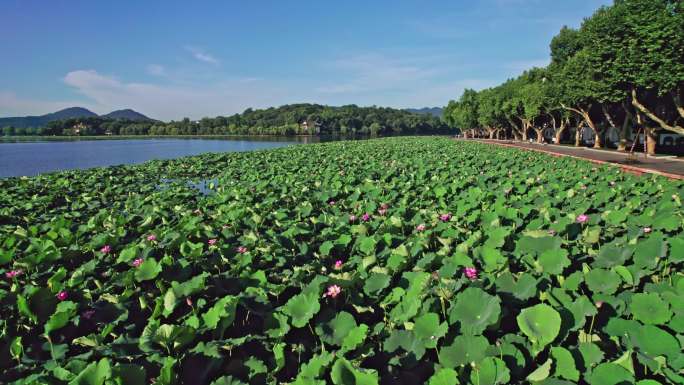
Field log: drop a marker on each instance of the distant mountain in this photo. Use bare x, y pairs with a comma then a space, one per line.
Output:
127, 114
435, 111
67, 113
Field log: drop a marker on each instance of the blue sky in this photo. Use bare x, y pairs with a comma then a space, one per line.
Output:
172, 59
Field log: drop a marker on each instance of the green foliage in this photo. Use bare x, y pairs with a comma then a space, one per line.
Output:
568, 306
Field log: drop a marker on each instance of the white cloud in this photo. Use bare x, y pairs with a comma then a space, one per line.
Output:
174, 101
373, 72
156, 70
13, 105
202, 55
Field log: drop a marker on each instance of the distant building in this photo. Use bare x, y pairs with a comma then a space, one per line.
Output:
77, 129
310, 127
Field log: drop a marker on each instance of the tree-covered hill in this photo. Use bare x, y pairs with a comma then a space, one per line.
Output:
292, 119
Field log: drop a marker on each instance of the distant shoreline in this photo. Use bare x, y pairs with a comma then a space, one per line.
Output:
120, 137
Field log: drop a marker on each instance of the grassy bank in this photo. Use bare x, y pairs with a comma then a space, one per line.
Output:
397, 260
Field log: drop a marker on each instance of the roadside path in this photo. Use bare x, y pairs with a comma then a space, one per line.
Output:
666, 166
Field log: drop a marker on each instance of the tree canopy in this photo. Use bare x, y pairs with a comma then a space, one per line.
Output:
623, 69
293, 119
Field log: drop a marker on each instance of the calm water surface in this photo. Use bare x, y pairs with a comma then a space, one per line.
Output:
35, 157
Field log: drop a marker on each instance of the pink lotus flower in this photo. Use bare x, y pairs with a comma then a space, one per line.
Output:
612, 183
599, 304
12, 273
647, 230
211, 242
338, 264
471, 273
420, 227
583, 187
582, 218
331, 203
151, 237
333, 291
445, 217
188, 301
365, 217
382, 211
106, 249
384, 206
352, 218
241, 249
137, 262
62, 295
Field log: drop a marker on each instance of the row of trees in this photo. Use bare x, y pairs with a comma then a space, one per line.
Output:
294, 119
622, 70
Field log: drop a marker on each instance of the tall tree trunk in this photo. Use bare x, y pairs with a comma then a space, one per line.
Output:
540, 134
559, 131
578, 136
651, 140
525, 127
608, 118
624, 131
584, 113
598, 139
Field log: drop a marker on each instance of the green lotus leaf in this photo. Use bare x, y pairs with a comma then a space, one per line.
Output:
223, 309
276, 325
227, 380
650, 308
313, 369
591, 353
96, 373
475, 310
540, 323
654, 341
367, 245
602, 281
354, 338
148, 269
325, 247
65, 310
406, 340
537, 243
676, 249
565, 364
612, 255
375, 283
334, 331
493, 259
428, 329
301, 308
129, 374
344, 373
490, 371
464, 350
609, 374
444, 376
649, 251
541, 373
554, 261
618, 327
523, 288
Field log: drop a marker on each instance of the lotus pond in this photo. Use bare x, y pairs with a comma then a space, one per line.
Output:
389, 261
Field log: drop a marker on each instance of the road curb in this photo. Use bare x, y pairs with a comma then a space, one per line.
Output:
626, 168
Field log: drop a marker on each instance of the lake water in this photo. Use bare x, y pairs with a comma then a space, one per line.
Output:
18, 158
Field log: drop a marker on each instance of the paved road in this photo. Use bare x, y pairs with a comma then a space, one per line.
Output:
669, 167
